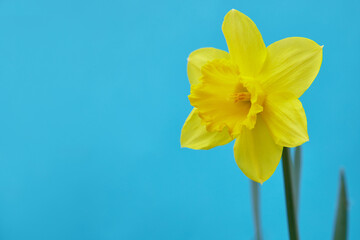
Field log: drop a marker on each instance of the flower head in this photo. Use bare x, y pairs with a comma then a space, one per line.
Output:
251, 95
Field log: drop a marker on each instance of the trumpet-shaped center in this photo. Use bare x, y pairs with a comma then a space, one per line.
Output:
225, 98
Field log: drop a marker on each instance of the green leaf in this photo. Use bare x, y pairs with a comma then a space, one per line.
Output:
255, 192
342, 211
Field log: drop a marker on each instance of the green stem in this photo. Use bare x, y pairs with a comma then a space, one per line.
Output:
291, 213
256, 208
296, 178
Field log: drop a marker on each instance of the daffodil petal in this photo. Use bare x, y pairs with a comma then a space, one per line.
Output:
285, 117
245, 42
292, 65
256, 153
200, 57
194, 134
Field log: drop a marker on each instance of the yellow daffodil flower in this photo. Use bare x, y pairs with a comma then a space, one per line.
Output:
250, 94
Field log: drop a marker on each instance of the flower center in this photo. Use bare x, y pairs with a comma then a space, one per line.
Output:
241, 96
225, 98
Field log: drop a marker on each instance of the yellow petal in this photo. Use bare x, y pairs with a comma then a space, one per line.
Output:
195, 136
285, 117
245, 42
292, 65
256, 153
200, 57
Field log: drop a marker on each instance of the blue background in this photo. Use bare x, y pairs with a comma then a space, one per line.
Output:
93, 95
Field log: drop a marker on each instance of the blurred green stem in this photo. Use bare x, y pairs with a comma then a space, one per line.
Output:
255, 192
342, 211
296, 178
289, 193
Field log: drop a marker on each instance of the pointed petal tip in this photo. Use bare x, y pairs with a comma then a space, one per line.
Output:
231, 12
258, 180
185, 145
181, 142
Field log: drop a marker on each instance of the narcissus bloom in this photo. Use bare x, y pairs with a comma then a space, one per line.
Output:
251, 95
